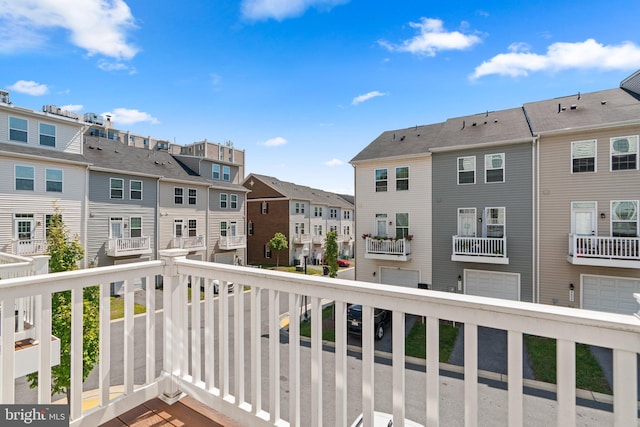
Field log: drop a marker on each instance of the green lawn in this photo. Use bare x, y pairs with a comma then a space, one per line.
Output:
415, 343
117, 308
542, 352
328, 334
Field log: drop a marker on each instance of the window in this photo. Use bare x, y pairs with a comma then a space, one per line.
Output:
178, 195
402, 225
145, 142
223, 201
177, 228
267, 251
53, 180
346, 230
50, 221
467, 170
135, 190
25, 178
317, 211
47, 135
234, 201
346, 215
624, 218
494, 219
381, 180
299, 227
18, 129
624, 153
402, 178
116, 186
265, 208
299, 208
223, 228
193, 193
334, 229
250, 228
215, 171
192, 227
333, 213
226, 173
583, 156
135, 227
317, 230
494, 168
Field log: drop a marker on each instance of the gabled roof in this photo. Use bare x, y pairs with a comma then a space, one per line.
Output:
41, 153
401, 143
583, 110
300, 192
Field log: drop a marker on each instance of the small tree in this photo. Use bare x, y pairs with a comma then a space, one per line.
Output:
277, 243
65, 252
331, 253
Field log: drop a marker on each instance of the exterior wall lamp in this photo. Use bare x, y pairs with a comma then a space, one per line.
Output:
603, 215
572, 294
459, 283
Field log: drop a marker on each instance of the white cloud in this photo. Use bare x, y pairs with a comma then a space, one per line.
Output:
433, 38
125, 116
562, 56
29, 87
97, 26
115, 66
334, 162
72, 107
274, 142
367, 96
282, 9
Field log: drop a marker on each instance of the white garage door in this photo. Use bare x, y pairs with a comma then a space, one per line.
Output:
399, 277
225, 257
492, 284
611, 294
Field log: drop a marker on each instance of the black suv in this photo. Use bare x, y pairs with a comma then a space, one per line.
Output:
381, 319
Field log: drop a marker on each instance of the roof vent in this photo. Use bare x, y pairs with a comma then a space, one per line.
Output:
100, 148
156, 162
603, 102
402, 138
574, 107
474, 124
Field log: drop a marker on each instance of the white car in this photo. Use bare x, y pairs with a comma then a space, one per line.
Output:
382, 419
216, 286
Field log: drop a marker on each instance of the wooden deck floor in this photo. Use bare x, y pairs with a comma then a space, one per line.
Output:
187, 412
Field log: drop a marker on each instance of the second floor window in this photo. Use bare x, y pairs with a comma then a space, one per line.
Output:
192, 227
624, 218
467, 170
346, 215
226, 173
116, 189
234, 201
47, 135
299, 208
333, 213
494, 218
193, 193
215, 174
402, 178
381, 180
494, 168
317, 211
346, 230
402, 225
223, 229
317, 230
264, 208
177, 228
583, 156
250, 228
135, 227
18, 129
299, 227
178, 195
54, 180
223, 201
135, 190
25, 178
624, 153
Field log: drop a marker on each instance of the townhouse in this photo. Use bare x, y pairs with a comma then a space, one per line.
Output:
302, 214
41, 164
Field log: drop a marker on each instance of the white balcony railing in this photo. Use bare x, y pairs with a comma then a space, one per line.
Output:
489, 250
604, 251
124, 246
193, 243
318, 240
389, 249
301, 238
30, 247
232, 242
230, 364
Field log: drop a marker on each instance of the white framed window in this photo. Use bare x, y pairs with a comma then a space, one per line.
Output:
135, 190
402, 178
177, 227
494, 222
346, 214
215, 171
333, 213
116, 188
624, 218
494, 168
18, 129
224, 201
47, 135
299, 208
193, 196
317, 230
624, 153
346, 230
25, 178
317, 211
402, 225
250, 228
178, 195
467, 170
49, 222
226, 173
53, 180
234, 201
299, 227
381, 180
334, 228
135, 226
192, 227
264, 208
267, 251
223, 228
583, 156
467, 222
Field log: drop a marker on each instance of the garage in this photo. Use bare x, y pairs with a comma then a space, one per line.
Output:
399, 277
610, 294
225, 257
492, 284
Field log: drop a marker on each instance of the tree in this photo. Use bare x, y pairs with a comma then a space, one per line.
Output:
65, 252
277, 243
331, 253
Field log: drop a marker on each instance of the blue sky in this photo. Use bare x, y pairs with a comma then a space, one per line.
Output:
304, 85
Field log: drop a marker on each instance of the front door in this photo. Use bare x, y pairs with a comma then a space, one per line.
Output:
584, 219
381, 225
467, 222
116, 228
25, 229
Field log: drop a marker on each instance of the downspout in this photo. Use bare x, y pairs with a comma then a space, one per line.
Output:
85, 220
537, 221
157, 239
206, 223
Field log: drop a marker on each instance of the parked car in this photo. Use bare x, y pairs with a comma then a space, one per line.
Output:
343, 263
381, 319
382, 419
216, 286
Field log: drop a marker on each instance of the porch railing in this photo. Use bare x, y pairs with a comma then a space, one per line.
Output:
232, 242
129, 246
302, 238
604, 247
189, 242
234, 364
387, 246
480, 246
30, 247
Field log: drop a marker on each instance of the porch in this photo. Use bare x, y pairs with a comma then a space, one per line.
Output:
232, 242
486, 250
604, 251
30, 247
239, 365
387, 249
301, 239
192, 243
125, 246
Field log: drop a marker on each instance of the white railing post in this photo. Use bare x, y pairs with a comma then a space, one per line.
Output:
171, 393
